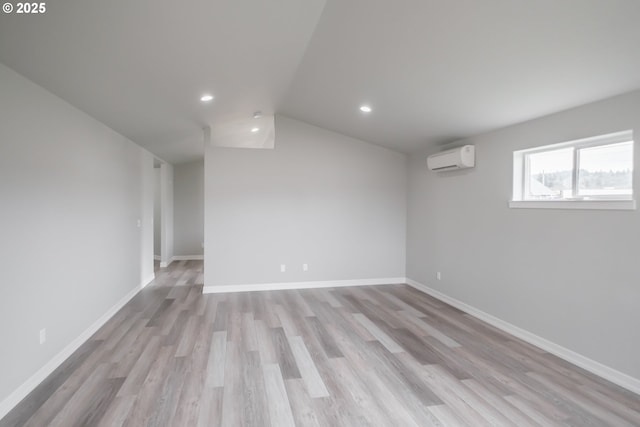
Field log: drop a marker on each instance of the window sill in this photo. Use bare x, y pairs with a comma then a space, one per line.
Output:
621, 205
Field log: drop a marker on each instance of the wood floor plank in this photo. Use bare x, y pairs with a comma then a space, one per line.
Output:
359, 404
249, 339
95, 395
145, 400
303, 410
365, 356
429, 330
255, 410
288, 321
327, 341
341, 318
631, 414
384, 339
536, 399
278, 400
210, 308
417, 348
600, 413
265, 343
174, 327
387, 294
349, 342
448, 417
34, 401
58, 399
98, 405
442, 386
161, 311
309, 372
188, 336
231, 392
125, 360
533, 413
384, 317
286, 361
188, 409
516, 417
217, 360
167, 398
269, 309
446, 357
407, 372
117, 413
220, 322
300, 303
328, 296
234, 323
138, 373
210, 408
390, 402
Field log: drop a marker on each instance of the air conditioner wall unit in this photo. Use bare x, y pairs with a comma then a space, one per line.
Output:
456, 158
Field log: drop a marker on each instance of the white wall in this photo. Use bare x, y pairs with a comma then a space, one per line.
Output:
71, 192
157, 214
188, 195
333, 202
166, 216
147, 177
568, 276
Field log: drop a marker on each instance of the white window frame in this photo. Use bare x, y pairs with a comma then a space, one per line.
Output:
521, 177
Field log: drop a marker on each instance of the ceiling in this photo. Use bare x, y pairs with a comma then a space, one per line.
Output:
141, 66
432, 70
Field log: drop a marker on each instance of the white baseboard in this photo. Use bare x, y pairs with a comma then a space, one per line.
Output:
157, 258
300, 285
165, 264
188, 257
29, 385
148, 280
597, 368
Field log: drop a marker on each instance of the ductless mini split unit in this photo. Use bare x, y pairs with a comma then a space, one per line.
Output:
456, 158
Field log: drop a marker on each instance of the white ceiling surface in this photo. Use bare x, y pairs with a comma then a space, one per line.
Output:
141, 66
256, 132
433, 70
438, 70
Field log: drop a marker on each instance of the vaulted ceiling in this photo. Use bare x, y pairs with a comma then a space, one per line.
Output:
432, 70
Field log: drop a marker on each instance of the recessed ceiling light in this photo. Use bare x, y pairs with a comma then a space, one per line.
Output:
365, 108
206, 98
257, 114
254, 130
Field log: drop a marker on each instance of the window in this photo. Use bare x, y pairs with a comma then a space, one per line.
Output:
591, 173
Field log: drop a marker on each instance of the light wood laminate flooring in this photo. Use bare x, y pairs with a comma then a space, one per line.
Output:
361, 356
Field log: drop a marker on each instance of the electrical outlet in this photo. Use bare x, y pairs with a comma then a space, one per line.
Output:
439, 275
283, 268
43, 336
305, 267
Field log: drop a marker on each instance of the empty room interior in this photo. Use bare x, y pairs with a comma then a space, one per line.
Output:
320, 213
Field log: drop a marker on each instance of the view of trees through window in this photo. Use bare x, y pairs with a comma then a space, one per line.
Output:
603, 170
606, 169
590, 182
